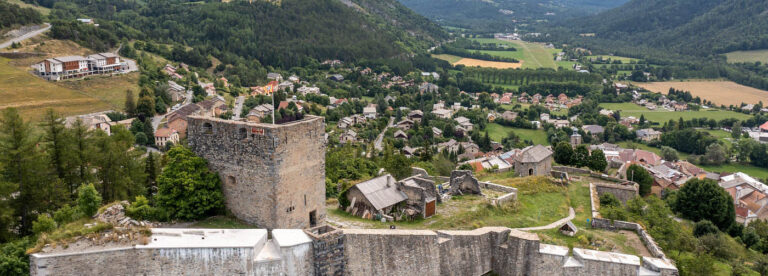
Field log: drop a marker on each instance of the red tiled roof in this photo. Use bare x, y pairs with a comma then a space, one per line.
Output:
764, 126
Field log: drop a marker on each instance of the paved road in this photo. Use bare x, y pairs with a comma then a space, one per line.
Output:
555, 224
379, 139
25, 36
238, 107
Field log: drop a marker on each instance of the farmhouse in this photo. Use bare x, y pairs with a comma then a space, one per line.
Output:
534, 160
648, 134
442, 113
405, 124
369, 112
416, 115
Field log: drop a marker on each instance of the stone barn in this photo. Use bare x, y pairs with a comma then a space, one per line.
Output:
273, 175
534, 160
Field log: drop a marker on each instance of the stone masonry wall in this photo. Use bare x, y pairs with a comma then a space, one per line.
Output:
273, 175
622, 192
130, 261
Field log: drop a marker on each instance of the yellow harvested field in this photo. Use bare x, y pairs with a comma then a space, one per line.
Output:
490, 64
719, 92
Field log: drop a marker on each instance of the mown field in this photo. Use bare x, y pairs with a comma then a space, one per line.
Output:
533, 55
498, 132
748, 56
661, 115
719, 92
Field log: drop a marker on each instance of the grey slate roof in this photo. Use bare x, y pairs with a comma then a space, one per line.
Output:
381, 192
533, 154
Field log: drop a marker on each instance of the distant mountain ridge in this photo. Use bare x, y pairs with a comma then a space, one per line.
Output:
699, 27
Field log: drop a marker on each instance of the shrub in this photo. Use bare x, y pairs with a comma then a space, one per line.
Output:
66, 214
704, 227
609, 200
43, 224
141, 210
614, 213
88, 200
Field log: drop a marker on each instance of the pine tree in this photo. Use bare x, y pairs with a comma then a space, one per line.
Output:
130, 104
82, 142
150, 169
57, 144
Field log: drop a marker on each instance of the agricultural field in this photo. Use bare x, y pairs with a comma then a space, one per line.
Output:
449, 58
532, 55
489, 64
661, 115
456, 60
719, 92
748, 56
498, 132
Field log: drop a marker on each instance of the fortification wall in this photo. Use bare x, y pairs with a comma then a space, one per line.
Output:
622, 192
273, 175
329, 251
134, 261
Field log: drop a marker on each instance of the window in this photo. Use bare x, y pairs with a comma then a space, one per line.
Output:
243, 133
207, 128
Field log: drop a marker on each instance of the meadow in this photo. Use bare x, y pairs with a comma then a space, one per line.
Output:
748, 56
662, 115
498, 132
719, 92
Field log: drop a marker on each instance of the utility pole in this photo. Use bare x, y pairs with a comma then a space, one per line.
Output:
273, 105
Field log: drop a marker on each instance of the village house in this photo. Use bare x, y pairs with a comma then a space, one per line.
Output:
436, 132
275, 76
93, 121
170, 70
509, 115
471, 150
213, 107
399, 134
369, 112
534, 160
428, 88
442, 113
750, 197
562, 98
178, 118
286, 85
505, 99
648, 134
464, 123
177, 92
260, 111
416, 115
165, 135
348, 136
304, 90
595, 131
405, 124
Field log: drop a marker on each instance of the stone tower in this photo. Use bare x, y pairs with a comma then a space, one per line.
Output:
575, 138
273, 175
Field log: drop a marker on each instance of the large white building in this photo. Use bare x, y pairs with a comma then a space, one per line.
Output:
68, 67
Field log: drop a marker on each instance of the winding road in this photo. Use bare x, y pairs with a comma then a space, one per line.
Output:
25, 36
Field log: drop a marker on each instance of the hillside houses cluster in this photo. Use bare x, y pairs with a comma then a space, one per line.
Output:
70, 67
175, 128
551, 101
97, 121
533, 160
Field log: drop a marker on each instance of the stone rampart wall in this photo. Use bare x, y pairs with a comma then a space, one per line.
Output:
623, 192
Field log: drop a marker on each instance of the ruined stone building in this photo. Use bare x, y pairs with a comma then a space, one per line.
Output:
534, 160
412, 197
273, 175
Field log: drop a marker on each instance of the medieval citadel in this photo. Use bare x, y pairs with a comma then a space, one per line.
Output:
274, 177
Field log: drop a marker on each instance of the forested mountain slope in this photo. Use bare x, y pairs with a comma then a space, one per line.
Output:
12, 14
283, 35
503, 15
698, 27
